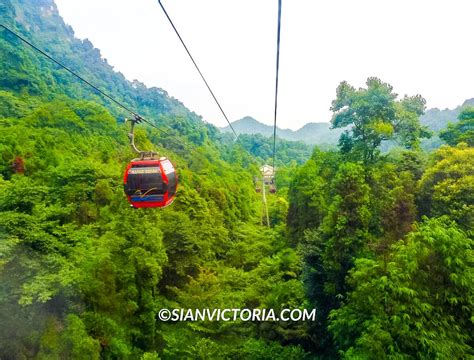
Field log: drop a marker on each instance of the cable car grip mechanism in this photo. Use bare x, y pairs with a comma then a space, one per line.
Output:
131, 135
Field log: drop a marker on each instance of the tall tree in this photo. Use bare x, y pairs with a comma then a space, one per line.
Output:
330, 251
447, 187
373, 115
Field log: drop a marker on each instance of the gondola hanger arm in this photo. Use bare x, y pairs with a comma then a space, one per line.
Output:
131, 135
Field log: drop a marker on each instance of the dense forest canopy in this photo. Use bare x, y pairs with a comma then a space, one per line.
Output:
379, 243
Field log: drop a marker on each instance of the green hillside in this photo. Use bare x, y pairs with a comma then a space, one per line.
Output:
40, 22
380, 244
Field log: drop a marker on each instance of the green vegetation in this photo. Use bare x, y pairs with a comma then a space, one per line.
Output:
462, 131
261, 149
374, 115
386, 240
83, 274
379, 243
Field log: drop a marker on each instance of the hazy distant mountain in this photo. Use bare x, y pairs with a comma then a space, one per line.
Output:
311, 133
322, 134
318, 133
248, 125
437, 119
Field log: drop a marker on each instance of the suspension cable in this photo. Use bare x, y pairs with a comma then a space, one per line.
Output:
197, 67
276, 83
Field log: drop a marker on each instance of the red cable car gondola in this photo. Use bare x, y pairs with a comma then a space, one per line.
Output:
150, 182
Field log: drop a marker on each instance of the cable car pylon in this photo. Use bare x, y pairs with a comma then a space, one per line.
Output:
265, 207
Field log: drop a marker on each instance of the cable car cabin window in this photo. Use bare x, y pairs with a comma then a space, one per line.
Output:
171, 175
145, 180
171, 184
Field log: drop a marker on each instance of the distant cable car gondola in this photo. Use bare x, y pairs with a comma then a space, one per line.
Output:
149, 181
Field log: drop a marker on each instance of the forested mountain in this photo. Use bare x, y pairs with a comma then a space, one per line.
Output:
40, 21
380, 244
321, 134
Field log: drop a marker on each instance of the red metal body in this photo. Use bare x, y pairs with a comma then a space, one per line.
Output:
150, 183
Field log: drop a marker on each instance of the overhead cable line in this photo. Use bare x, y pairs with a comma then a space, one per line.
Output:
197, 68
137, 117
276, 82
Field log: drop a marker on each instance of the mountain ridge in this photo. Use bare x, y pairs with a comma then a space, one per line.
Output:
39, 21
310, 133
320, 133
